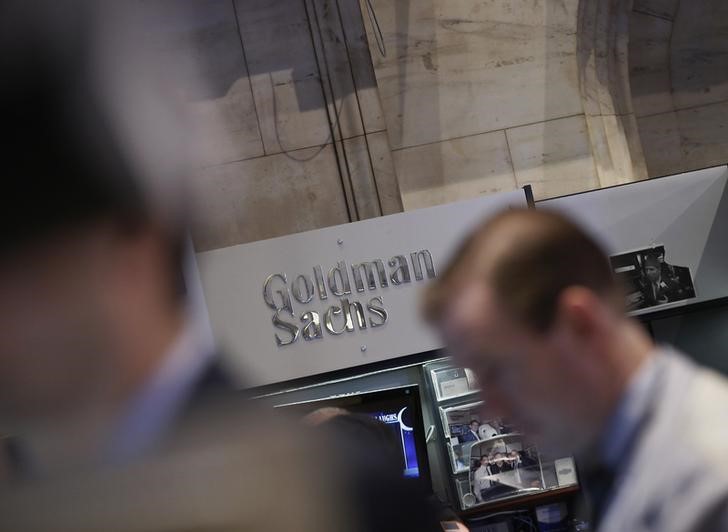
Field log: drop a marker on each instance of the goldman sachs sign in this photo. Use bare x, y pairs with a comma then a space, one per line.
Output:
341, 299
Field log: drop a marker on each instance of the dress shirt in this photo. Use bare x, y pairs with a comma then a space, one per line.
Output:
162, 398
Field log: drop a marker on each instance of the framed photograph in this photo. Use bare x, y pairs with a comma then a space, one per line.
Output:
491, 459
464, 426
650, 279
450, 382
503, 466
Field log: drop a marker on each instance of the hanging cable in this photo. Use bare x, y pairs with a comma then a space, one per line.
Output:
321, 147
378, 35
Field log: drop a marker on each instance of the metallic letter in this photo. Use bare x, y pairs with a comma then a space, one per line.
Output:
358, 310
311, 326
286, 326
332, 311
377, 310
284, 294
417, 266
308, 284
368, 268
399, 263
340, 268
319, 276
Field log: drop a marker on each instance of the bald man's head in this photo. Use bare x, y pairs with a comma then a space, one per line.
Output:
527, 258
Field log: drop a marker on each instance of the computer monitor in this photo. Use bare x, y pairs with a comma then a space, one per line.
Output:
398, 408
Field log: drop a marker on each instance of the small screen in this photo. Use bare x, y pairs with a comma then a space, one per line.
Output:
400, 422
399, 409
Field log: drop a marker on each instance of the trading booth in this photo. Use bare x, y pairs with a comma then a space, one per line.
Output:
332, 318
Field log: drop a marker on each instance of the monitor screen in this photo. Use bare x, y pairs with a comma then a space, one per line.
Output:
399, 409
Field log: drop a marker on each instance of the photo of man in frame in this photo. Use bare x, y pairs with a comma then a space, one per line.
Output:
649, 280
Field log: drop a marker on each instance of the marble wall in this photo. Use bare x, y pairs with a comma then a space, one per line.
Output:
309, 113
678, 59
481, 96
287, 126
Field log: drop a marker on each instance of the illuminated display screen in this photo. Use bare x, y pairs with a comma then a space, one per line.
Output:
399, 409
401, 423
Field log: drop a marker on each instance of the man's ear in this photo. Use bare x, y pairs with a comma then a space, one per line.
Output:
580, 311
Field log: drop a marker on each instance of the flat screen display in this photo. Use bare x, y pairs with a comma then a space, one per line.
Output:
399, 409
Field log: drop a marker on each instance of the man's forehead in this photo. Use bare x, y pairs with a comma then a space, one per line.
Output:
470, 321
471, 305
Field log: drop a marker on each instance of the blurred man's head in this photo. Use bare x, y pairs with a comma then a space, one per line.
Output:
474, 425
530, 304
89, 264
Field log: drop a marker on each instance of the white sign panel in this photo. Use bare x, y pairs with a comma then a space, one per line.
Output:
334, 298
683, 217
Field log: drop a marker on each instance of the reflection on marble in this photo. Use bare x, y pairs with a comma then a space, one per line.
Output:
554, 157
200, 40
661, 144
362, 69
617, 149
361, 174
680, 62
649, 64
699, 53
455, 169
277, 38
225, 129
461, 67
267, 197
293, 78
200, 48
661, 8
686, 140
384, 173
332, 49
284, 74
284, 125
704, 135
603, 50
